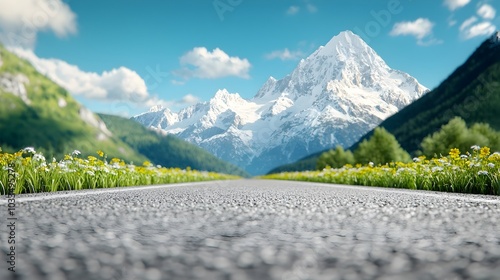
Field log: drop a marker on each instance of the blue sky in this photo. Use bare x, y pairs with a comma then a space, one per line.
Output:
124, 56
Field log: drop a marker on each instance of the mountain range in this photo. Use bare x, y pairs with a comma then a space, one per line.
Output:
333, 97
471, 92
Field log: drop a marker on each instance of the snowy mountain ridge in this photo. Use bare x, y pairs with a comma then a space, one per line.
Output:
333, 97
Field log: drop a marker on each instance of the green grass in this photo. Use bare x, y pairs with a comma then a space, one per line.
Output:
477, 172
34, 174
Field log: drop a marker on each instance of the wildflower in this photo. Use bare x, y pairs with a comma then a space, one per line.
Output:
495, 156
485, 151
39, 157
482, 172
371, 164
454, 153
76, 153
100, 153
464, 156
416, 159
437, 169
29, 150
491, 165
91, 173
475, 148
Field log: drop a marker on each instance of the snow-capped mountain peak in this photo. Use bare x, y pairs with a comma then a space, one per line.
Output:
156, 108
333, 97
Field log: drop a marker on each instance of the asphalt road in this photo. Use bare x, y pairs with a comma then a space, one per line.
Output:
253, 229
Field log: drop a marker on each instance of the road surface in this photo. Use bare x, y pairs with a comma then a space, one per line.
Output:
253, 229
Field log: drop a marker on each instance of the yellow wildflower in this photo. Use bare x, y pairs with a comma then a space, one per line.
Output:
100, 153
494, 157
455, 154
484, 152
26, 161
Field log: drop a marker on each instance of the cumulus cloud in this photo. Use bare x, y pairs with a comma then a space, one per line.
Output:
421, 29
456, 4
120, 84
22, 20
189, 99
285, 54
469, 31
203, 64
478, 27
486, 11
292, 10
468, 23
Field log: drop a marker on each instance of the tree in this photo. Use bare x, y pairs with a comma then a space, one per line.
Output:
381, 148
335, 158
456, 134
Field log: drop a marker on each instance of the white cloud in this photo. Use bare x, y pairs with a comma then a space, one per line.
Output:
21, 20
467, 23
456, 4
420, 29
119, 84
201, 63
189, 99
285, 54
481, 29
486, 11
311, 8
292, 10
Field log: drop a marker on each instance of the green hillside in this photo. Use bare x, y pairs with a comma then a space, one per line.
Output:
471, 92
168, 151
48, 118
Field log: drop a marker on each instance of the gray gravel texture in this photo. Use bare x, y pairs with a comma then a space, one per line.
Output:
255, 229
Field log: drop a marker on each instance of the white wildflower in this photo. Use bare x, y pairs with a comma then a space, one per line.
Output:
39, 157
371, 164
491, 165
464, 156
29, 150
437, 169
482, 172
76, 153
91, 173
416, 159
475, 148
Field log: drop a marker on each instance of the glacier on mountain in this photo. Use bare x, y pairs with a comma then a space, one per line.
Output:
333, 97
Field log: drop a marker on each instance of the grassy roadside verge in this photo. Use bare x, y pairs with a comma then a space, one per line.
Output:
33, 173
477, 171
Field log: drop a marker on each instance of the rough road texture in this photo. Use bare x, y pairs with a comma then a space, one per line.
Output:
256, 230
